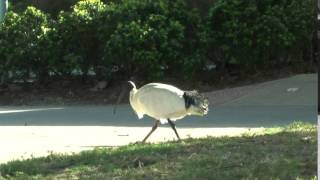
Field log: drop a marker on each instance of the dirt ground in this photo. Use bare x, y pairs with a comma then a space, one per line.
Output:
77, 92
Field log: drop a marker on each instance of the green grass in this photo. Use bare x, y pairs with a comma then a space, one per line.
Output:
275, 153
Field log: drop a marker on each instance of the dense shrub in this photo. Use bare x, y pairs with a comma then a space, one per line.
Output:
53, 7
140, 40
77, 43
23, 44
145, 47
193, 54
154, 38
258, 33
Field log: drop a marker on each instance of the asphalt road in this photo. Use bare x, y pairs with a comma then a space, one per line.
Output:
220, 116
36, 131
268, 104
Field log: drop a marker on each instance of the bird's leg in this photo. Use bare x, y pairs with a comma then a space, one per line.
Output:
156, 123
173, 126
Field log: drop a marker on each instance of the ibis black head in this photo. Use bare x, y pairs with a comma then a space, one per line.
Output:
196, 102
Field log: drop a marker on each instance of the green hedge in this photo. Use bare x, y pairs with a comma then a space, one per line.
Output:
154, 38
76, 39
257, 34
48, 6
23, 39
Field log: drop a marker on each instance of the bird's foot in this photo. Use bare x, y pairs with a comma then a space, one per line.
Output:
182, 142
179, 141
139, 142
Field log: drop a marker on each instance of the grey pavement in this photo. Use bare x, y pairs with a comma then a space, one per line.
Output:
272, 103
220, 116
36, 131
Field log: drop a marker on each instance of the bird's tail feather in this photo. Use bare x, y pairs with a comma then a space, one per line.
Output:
133, 85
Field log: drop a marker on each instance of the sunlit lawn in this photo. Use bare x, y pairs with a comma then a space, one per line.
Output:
275, 153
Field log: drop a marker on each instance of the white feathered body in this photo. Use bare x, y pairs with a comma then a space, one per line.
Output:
160, 101
166, 103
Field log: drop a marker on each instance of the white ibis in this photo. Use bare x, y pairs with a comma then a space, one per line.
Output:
166, 104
